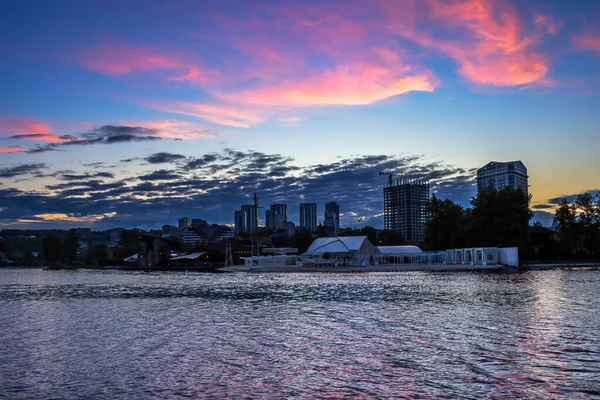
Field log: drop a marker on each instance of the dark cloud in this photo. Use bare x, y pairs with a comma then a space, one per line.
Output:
160, 175
75, 177
571, 197
107, 134
21, 169
214, 185
542, 206
164, 157
28, 136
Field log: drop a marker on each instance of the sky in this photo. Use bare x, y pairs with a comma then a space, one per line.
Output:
136, 113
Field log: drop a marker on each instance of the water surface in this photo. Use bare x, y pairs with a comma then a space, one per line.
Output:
107, 334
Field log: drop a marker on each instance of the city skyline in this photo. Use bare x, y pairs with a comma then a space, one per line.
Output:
135, 114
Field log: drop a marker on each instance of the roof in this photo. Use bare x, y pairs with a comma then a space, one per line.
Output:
399, 249
342, 244
191, 256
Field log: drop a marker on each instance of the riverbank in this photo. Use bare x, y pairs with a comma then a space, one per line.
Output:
369, 268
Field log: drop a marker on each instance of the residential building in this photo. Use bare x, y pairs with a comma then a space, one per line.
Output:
239, 220
278, 216
250, 218
268, 220
308, 217
184, 223
498, 175
332, 217
189, 236
405, 209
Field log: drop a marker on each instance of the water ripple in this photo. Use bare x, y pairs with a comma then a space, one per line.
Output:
110, 334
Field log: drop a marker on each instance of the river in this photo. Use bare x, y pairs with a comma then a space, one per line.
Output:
113, 334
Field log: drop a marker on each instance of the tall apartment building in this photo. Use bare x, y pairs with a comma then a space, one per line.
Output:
308, 217
498, 175
239, 221
405, 209
268, 220
184, 223
332, 217
199, 223
250, 218
278, 216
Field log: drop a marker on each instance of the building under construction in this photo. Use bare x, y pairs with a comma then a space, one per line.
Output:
405, 208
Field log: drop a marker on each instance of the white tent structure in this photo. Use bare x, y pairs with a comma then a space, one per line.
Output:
399, 250
340, 251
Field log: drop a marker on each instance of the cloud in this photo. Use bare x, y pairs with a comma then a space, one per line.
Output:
125, 59
106, 134
587, 42
213, 185
221, 114
164, 158
12, 149
21, 169
290, 121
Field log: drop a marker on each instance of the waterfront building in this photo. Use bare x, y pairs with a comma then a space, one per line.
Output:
498, 175
278, 216
332, 217
308, 217
184, 223
405, 208
250, 218
239, 221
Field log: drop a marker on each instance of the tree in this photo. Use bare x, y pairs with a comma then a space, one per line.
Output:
445, 228
388, 237
370, 233
130, 242
99, 252
52, 248
500, 218
71, 246
579, 225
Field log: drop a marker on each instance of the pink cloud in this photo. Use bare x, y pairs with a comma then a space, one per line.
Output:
11, 149
337, 53
220, 114
485, 37
587, 42
23, 126
124, 59
174, 129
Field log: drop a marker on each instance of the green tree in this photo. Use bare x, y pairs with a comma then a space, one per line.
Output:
71, 246
445, 227
388, 237
370, 232
52, 248
130, 242
100, 252
579, 226
500, 218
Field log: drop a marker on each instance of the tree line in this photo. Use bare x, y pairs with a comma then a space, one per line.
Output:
578, 227
496, 218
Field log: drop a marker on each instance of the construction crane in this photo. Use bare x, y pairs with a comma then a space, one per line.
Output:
389, 174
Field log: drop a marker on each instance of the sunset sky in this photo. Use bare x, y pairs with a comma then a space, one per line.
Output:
135, 113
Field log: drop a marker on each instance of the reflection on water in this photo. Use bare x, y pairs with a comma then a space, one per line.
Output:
114, 334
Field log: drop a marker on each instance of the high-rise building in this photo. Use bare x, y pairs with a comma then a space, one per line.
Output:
405, 209
308, 217
268, 220
278, 215
239, 220
498, 175
184, 223
332, 217
250, 218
